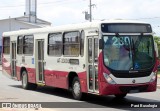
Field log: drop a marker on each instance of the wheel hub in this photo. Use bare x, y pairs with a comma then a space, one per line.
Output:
24, 80
76, 88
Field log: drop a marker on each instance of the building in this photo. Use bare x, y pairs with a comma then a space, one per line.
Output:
19, 23
27, 21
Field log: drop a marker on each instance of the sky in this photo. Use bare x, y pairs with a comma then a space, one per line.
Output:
61, 12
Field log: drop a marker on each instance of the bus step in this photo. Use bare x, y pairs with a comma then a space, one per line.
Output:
14, 78
40, 84
96, 93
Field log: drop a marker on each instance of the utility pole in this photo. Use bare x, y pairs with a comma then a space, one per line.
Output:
88, 16
90, 8
10, 23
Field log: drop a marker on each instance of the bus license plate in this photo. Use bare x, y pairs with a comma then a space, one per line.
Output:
133, 91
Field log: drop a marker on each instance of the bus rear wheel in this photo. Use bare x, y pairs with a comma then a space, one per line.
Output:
120, 96
76, 89
25, 83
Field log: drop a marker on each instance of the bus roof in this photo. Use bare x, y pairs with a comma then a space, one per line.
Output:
85, 25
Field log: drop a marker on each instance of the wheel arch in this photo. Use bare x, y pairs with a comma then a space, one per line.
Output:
71, 76
22, 69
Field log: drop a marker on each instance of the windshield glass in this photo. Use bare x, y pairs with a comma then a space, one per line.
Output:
128, 52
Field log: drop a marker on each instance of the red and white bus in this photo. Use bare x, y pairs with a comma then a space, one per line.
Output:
113, 57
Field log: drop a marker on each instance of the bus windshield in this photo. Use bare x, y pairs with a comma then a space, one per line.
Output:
128, 52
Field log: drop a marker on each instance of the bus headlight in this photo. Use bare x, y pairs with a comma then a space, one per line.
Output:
153, 77
109, 79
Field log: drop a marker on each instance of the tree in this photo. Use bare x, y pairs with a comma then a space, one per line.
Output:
157, 40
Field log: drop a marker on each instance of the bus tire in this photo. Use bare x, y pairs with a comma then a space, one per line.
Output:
25, 83
120, 96
76, 89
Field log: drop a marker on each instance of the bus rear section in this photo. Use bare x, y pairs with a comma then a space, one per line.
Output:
6, 61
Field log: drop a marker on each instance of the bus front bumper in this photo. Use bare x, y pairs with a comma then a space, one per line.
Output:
108, 89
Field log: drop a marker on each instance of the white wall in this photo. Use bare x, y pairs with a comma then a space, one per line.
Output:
12, 25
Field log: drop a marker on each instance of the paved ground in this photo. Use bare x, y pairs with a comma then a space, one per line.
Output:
11, 91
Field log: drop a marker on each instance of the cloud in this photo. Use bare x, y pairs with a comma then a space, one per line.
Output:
127, 9
61, 12
11, 8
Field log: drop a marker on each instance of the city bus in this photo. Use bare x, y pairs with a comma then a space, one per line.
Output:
113, 57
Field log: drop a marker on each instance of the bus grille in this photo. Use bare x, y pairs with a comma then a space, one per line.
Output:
130, 89
126, 74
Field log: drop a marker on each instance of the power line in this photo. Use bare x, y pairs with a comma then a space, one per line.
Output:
66, 2
59, 1
47, 3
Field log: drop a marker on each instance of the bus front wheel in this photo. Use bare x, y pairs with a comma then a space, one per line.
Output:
25, 83
76, 89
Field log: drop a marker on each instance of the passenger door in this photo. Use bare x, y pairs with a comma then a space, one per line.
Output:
92, 67
39, 61
13, 60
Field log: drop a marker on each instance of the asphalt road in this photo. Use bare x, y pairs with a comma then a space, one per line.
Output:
11, 91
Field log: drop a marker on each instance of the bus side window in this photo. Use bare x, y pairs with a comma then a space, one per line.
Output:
20, 45
55, 44
82, 43
96, 50
6, 45
71, 43
28, 43
89, 50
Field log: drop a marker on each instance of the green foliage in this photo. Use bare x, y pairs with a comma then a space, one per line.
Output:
157, 40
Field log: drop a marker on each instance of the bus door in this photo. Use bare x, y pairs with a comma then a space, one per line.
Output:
92, 72
13, 60
39, 60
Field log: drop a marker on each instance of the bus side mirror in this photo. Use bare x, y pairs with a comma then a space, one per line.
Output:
100, 44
